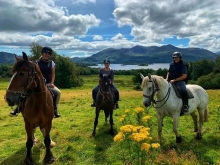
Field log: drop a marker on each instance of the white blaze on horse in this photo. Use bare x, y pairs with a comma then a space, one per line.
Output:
168, 104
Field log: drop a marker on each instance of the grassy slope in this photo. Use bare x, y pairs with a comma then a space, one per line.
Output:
72, 131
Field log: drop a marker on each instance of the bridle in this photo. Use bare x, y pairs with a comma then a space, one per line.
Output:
32, 79
104, 94
155, 90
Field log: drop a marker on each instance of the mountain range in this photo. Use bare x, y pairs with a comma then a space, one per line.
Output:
135, 55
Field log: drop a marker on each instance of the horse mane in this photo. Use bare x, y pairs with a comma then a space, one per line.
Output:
158, 79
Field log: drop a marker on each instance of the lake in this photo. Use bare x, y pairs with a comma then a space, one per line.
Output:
155, 66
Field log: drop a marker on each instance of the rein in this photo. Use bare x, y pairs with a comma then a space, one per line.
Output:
155, 91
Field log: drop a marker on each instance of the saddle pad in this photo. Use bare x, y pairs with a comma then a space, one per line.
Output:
177, 91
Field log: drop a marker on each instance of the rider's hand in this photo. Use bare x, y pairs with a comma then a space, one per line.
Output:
52, 85
172, 81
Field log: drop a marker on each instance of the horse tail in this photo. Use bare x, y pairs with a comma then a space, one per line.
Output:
206, 114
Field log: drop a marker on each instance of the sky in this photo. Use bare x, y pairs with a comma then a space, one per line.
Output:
81, 28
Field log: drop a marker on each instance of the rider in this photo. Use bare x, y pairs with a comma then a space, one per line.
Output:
47, 68
106, 71
177, 75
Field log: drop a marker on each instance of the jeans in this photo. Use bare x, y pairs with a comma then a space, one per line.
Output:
182, 86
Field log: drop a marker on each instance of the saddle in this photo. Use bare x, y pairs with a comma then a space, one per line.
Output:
178, 94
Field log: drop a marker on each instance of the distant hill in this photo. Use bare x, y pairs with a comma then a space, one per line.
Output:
135, 55
152, 54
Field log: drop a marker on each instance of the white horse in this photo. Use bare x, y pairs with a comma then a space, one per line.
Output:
168, 104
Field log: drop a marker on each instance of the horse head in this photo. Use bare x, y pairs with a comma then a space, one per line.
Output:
150, 87
104, 84
23, 80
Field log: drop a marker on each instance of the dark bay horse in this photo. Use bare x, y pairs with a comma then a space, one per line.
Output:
27, 89
104, 101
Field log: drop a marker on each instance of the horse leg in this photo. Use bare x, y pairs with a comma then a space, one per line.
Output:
194, 117
175, 130
29, 144
49, 158
201, 121
111, 122
160, 124
95, 121
52, 143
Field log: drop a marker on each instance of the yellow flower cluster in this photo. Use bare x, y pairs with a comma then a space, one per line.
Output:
145, 147
146, 118
127, 128
119, 137
155, 145
122, 118
127, 111
139, 109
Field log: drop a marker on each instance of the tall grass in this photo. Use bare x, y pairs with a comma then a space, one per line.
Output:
72, 131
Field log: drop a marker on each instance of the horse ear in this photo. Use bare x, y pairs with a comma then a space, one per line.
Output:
25, 56
149, 75
142, 77
17, 58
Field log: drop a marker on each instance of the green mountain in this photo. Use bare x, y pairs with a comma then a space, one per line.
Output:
152, 54
135, 55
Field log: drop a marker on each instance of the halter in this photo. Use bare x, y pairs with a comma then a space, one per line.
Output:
155, 90
31, 79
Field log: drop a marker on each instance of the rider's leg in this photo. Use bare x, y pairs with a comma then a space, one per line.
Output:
116, 92
94, 93
58, 93
184, 95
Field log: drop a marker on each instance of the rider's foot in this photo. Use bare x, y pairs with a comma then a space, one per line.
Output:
93, 104
116, 106
56, 113
15, 111
185, 108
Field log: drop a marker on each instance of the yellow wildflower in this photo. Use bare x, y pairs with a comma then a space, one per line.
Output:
127, 111
155, 145
126, 128
145, 147
139, 109
138, 137
119, 137
146, 118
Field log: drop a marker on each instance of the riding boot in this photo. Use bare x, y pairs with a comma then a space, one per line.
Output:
185, 107
93, 104
56, 113
15, 111
116, 105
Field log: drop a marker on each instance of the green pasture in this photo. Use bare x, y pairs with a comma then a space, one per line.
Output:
72, 131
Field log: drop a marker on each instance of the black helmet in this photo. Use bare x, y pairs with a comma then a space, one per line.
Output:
106, 61
47, 49
177, 54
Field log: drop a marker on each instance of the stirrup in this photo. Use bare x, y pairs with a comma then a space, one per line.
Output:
185, 108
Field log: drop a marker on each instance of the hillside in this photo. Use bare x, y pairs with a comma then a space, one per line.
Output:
140, 54
135, 55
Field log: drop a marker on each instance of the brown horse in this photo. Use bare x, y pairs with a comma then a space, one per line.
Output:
27, 89
104, 101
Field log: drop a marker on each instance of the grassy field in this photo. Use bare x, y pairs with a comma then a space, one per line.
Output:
72, 131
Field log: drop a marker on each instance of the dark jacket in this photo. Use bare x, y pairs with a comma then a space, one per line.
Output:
176, 70
45, 67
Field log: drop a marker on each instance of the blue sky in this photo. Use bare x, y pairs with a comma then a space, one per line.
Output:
84, 27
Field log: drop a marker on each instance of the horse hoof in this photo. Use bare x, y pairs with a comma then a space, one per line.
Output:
199, 136
49, 160
179, 139
28, 161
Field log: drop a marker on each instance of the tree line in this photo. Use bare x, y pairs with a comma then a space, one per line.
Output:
205, 73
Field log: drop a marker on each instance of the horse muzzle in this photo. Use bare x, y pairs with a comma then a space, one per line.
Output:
12, 99
146, 102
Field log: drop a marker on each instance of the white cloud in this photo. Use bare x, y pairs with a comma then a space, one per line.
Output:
119, 36
97, 37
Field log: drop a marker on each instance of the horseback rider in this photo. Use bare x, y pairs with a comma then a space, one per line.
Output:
106, 71
47, 68
177, 75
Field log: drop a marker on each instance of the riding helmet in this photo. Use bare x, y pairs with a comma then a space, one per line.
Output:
106, 61
177, 54
47, 49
